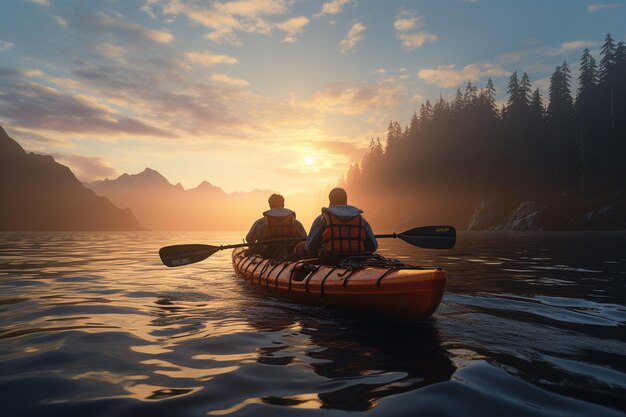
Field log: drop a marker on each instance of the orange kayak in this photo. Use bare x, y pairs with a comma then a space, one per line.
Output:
381, 288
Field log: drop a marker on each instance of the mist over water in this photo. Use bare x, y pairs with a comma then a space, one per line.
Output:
94, 324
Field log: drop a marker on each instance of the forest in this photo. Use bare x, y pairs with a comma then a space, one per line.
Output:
454, 154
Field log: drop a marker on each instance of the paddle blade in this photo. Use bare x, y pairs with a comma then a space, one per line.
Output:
179, 255
430, 237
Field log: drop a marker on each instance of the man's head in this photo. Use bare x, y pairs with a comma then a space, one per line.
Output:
276, 201
338, 196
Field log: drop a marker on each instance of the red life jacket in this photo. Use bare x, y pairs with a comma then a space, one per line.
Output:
343, 237
279, 227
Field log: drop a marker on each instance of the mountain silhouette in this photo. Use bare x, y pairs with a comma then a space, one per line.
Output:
161, 205
38, 193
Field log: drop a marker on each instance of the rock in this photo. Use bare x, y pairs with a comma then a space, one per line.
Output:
526, 217
487, 215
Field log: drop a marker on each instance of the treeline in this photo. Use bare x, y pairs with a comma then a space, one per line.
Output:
524, 150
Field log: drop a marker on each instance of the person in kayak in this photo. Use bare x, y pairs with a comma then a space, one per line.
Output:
340, 230
277, 223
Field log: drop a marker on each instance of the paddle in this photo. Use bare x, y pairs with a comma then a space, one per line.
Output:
428, 237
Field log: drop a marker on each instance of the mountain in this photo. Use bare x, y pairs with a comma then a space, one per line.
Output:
40, 194
160, 205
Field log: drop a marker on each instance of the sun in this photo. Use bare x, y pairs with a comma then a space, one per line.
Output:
309, 160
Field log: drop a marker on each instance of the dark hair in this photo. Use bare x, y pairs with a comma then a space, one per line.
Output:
338, 196
276, 201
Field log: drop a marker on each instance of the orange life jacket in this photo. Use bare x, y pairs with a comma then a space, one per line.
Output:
279, 227
343, 237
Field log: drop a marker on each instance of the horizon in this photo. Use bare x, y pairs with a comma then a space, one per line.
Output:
289, 93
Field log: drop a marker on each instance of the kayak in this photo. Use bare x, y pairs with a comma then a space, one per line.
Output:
371, 285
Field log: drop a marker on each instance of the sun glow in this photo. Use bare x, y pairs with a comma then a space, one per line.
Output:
309, 160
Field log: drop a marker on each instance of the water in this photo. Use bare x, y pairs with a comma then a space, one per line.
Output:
91, 324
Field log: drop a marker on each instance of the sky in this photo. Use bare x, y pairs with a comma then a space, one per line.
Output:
269, 94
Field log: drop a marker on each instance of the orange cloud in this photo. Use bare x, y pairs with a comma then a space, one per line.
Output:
208, 59
449, 76
405, 25
293, 27
226, 18
354, 36
355, 99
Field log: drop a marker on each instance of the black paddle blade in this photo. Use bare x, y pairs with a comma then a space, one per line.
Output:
430, 237
179, 255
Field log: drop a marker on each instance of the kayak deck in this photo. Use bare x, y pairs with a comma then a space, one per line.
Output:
397, 291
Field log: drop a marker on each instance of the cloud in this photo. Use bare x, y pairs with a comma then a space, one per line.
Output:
594, 7
354, 36
60, 21
208, 59
293, 27
406, 21
27, 104
111, 50
412, 41
569, 46
87, 168
380, 71
353, 99
224, 19
228, 80
449, 76
5, 46
40, 2
406, 24
338, 147
115, 24
333, 7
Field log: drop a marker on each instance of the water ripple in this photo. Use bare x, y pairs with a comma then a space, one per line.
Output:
92, 324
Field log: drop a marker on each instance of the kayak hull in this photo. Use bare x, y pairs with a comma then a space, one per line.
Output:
395, 293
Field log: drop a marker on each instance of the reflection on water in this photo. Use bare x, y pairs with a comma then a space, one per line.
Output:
93, 324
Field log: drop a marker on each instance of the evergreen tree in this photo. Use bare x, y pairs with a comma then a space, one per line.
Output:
513, 90
490, 95
524, 91
607, 60
561, 103
587, 83
394, 136
537, 109
413, 127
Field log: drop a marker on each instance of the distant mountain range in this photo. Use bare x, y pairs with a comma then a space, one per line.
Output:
37, 193
161, 205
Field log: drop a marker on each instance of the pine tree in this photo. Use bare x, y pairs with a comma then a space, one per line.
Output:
513, 90
561, 103
587, 83
490, 95
413, 127
537, 109
394, 136
585, 107
607, 60
524, 91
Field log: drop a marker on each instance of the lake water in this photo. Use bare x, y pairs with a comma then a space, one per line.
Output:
92, 324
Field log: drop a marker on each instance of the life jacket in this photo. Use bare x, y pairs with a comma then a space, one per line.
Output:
343, 236
283, 227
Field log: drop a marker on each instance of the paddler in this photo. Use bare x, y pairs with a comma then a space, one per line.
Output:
340, 231
277, 223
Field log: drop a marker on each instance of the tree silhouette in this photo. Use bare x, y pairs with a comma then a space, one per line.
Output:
526, 151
